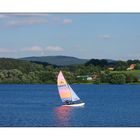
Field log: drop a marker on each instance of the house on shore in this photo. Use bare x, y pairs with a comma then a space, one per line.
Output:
110, 69
132, 67
88, 77
85, 77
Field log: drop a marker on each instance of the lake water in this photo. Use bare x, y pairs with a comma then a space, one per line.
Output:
40, 105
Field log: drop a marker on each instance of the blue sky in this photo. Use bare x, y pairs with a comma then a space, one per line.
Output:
110, 36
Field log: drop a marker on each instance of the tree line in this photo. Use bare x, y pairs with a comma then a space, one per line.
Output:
20, 71
117, 65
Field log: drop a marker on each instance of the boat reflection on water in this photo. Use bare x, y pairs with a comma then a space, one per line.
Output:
63, 115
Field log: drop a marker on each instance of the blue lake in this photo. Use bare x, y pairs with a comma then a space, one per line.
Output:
40, 106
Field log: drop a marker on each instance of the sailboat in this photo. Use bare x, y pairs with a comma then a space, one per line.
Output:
67, 95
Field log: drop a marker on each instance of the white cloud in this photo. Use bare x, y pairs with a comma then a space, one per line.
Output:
58, 20
29, 14
104, 36
28, 21
42, 50
67, 21
24, 19
54, 49
12, 15
32, 49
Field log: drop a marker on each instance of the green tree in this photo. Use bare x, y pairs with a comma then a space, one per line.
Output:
117, 78
121, 65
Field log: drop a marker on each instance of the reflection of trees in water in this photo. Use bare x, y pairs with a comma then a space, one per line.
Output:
63, 115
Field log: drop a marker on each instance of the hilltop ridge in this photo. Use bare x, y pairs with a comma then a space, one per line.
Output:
59, 60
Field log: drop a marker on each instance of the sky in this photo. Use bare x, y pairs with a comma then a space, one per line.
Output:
93, 35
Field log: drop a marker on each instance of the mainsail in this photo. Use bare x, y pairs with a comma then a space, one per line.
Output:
65, 91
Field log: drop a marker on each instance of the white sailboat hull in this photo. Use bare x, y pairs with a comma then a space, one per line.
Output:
80, 104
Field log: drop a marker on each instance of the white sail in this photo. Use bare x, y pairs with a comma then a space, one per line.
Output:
74, 96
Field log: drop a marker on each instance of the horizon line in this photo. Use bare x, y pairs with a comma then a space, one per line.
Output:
70, 56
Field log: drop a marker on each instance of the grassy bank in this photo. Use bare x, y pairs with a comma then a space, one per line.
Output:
133, 72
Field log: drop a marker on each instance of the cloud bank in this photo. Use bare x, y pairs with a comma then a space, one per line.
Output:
54, 49
33, 49
15, 23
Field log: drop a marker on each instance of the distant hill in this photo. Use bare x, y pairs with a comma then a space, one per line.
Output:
57, 60
24, 66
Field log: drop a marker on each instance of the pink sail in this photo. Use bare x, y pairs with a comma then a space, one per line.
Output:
63, 88
65, 91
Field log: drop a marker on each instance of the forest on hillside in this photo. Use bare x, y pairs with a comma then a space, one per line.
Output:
25, 72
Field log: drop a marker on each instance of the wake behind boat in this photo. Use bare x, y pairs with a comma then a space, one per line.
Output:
67, 95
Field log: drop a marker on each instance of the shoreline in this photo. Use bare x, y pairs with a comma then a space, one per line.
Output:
70, 84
